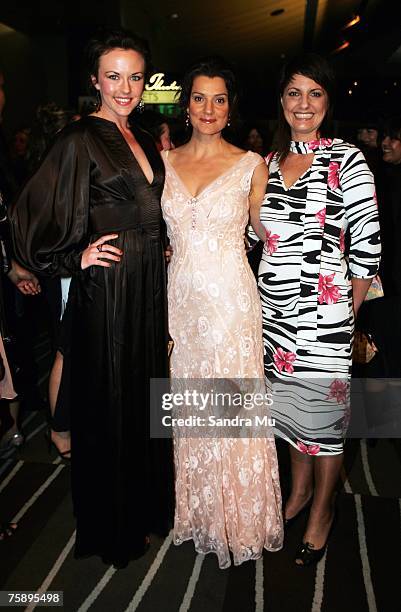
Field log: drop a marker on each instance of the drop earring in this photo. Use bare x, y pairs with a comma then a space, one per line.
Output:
187, 121
141, 106
229, 121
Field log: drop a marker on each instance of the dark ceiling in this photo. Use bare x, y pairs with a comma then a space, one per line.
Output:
257, 36
253, 34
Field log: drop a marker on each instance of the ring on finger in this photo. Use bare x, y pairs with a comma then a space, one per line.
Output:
99, 247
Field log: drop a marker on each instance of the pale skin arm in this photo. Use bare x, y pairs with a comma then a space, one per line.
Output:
256, 195
360, 288
104, 258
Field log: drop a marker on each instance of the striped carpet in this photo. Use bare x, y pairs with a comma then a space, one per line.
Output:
360, 572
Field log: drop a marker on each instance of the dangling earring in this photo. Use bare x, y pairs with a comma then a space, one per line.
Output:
141, 106
229, 121
187, 121
98, 101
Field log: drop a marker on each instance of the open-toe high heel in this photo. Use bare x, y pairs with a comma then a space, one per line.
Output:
65, 455
308, 555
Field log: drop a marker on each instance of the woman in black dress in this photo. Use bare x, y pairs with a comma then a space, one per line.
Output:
92, 211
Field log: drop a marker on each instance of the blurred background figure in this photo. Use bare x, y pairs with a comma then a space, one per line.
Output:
380, 319
255, 138
158, 126
50, 119
368, 140
18, 154
389, 202
12, 322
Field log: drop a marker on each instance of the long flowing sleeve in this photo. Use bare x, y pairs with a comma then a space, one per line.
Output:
360, 204
49, 219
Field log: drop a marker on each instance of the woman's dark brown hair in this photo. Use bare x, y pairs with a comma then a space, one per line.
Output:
319, 70
210, 67
107, 40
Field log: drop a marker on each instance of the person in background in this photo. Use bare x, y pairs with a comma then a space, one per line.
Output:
369, 142
16, 277
381, 317
157, 125
255, 138
18, 154
7, 392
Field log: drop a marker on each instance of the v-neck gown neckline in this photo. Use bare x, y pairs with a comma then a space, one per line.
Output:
212, 183
135, 131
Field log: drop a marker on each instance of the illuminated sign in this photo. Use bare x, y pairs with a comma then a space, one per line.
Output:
156, 92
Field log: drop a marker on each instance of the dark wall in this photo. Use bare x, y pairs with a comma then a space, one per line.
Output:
41, 44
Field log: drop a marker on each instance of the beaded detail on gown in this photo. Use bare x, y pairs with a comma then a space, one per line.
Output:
227, 489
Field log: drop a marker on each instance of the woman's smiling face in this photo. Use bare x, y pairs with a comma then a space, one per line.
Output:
305, 105
120, 82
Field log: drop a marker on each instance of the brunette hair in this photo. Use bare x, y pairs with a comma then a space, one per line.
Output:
107, 40
391, 128
210, 67
318, 69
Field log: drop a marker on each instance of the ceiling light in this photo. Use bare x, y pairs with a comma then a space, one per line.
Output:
277, 12
174, 16
352, 22
343, 46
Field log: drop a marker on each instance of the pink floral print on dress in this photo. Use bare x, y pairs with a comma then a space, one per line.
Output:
268, 157
328, 292
284, 360
321, 217
333, 178
342, 241
315, 144
271, 243
338, 391
308, 449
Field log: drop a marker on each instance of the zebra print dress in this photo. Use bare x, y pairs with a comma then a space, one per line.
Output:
306, 292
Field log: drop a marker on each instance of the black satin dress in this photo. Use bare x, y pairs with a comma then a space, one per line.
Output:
89, 185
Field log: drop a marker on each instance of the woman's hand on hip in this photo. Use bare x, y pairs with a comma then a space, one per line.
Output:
99, 253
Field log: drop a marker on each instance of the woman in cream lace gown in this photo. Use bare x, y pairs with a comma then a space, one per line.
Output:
227, 488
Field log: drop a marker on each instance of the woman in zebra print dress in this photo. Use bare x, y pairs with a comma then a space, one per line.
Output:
320, 198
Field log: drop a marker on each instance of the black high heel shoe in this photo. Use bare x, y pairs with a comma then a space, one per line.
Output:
50, 445
290, 521
308, 555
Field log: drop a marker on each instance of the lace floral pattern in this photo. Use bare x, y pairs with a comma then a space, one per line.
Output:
227, 490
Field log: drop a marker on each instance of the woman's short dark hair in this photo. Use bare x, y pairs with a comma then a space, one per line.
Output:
107, 40
210, 67
392, 128
318, 69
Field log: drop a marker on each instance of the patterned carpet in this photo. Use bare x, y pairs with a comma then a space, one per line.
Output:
360, 572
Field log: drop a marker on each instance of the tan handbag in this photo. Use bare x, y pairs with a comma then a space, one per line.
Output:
364, 350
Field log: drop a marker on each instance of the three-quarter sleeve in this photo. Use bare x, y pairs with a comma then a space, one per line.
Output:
49, 219
358, 188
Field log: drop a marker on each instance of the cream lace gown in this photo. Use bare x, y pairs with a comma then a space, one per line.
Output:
227, 489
